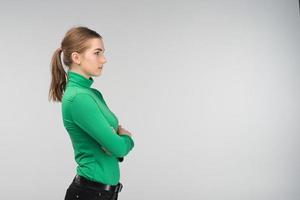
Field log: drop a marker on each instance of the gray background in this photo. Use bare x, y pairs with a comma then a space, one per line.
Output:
210, 90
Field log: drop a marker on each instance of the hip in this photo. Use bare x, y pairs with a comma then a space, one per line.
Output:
84, 189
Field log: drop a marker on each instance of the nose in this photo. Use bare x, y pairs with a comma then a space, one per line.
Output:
103, 60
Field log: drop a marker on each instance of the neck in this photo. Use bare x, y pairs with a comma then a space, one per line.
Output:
80, 72
77, 79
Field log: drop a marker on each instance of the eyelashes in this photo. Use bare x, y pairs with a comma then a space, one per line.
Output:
98, 53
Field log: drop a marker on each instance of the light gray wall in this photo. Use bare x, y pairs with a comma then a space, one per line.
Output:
210, 90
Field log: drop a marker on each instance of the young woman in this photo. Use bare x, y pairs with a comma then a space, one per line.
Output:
98, 141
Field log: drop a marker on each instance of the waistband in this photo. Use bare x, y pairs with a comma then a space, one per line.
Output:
82, 181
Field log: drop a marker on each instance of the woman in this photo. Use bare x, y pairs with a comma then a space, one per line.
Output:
98, 141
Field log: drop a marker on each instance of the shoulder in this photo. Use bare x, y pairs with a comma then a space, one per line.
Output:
77, 94
84, 103
84, 97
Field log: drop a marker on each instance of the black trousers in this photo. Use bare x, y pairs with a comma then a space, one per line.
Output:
78, 192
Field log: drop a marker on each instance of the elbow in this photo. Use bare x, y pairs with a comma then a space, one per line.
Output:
121, 152
124, 149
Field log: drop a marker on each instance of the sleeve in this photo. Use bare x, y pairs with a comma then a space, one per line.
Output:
87, 115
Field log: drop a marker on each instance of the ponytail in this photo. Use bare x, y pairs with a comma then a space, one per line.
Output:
75, 40
58, 81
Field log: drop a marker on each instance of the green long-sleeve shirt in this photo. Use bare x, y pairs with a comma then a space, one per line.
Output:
91, 126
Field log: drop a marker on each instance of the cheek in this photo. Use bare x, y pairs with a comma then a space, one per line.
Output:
91, 62
96, 59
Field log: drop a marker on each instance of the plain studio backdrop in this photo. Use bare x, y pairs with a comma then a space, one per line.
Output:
209, 89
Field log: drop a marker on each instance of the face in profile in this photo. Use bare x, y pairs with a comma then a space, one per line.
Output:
92, 60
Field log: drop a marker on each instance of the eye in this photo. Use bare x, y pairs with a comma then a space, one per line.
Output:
97, 53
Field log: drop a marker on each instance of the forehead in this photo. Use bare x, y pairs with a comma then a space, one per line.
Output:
96, 43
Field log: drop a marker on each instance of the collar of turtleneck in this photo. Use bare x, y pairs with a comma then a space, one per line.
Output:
78, 79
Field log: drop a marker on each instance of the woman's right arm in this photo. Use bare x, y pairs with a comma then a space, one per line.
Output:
88, 116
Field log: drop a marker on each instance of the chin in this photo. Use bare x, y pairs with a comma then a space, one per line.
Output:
99, 73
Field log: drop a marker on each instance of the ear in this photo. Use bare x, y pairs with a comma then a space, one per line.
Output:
76, 58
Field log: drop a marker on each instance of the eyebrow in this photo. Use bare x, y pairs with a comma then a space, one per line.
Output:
99, 49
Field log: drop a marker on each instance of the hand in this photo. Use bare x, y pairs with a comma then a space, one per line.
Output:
123, 131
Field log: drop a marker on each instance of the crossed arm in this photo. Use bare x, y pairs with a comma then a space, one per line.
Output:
87, 115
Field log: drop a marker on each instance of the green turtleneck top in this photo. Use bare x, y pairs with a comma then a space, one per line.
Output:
92, 128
